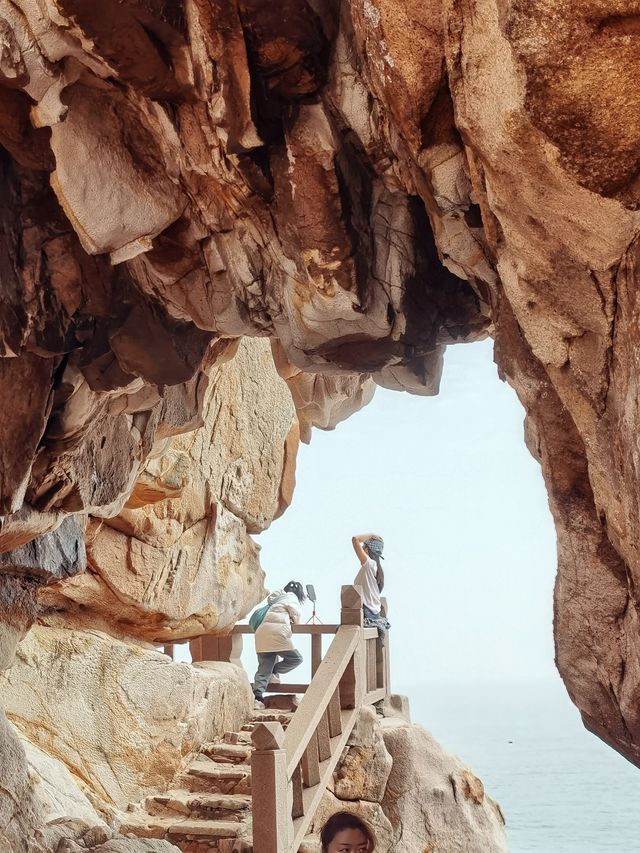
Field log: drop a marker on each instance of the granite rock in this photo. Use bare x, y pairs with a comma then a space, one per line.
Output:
122, 718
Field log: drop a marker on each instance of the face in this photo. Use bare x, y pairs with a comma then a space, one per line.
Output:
349, 841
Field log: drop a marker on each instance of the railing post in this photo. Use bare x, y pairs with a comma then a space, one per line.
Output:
353, 686
316, 653
271, 798
385, 664
210, 647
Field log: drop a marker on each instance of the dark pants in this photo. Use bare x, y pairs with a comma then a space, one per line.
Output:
267, 666
375, 620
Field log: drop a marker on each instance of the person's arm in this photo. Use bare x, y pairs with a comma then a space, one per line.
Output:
357, 541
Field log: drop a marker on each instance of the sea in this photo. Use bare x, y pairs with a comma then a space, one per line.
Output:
560, 788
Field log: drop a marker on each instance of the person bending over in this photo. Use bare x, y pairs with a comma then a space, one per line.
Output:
346, 833
369, 548
274, 640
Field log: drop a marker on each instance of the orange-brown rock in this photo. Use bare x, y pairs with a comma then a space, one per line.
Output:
564, 239
363, 183
178, 559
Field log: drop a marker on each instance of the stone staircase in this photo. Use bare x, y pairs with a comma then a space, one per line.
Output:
209, 809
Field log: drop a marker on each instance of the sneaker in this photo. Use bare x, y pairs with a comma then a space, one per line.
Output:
275, 679
258, 705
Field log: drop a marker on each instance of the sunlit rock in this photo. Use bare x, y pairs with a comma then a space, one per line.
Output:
432, 799
178, 561
122, 718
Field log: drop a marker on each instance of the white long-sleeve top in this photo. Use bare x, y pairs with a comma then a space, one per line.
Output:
367, 578
274, 634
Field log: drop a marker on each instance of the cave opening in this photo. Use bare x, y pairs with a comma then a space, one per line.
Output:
470, 567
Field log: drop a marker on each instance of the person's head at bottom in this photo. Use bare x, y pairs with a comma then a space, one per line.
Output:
344, 832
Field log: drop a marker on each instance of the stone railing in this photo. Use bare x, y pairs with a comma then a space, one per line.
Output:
291, 770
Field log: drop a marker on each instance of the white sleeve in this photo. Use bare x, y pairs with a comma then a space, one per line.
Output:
292, 610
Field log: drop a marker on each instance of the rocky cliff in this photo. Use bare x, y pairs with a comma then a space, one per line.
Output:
362, 182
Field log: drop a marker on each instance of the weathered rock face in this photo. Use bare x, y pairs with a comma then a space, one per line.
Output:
178, 559
363, 182
58, 793
365, 766
413, 794
19, 808
238, 203
433, 801
122, 718
564, 241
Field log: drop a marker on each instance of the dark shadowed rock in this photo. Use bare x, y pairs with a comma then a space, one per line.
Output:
49, 557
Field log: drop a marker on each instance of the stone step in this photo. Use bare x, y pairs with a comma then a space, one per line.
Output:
237, 737
199, 829
227, 753
147, 826
267, 716
210, 777
208, 769
282, 702
202, 804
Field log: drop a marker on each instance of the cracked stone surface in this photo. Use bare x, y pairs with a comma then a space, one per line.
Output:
122, 718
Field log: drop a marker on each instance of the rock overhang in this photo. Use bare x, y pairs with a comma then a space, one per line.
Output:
363, 183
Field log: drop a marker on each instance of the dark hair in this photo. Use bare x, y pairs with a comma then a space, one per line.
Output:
380, 572
296, 588
345, 820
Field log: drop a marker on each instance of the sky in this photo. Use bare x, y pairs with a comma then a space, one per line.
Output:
470, 553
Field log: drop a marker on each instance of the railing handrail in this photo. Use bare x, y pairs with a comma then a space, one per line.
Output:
316, 700
316, 628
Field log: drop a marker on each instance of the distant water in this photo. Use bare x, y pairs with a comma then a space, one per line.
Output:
560, 788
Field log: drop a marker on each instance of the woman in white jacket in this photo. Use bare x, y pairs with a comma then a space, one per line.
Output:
274, 637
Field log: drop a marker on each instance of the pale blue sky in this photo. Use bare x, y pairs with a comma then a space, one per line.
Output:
470, 545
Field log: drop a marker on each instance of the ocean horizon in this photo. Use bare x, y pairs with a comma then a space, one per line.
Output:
560, 788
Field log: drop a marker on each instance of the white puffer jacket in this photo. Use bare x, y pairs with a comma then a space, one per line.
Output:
274, 635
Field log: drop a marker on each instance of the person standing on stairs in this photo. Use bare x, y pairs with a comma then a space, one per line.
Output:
274, 638
369, 548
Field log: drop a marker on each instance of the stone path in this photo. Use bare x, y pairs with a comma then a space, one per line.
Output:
210, 808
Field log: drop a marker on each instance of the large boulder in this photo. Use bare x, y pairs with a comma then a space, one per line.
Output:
433, 801
122, 718
364, 768
413, 793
